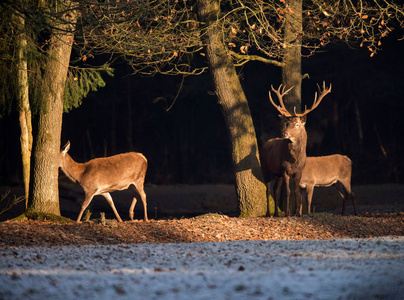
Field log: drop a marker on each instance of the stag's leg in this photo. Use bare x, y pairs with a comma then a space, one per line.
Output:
268, 184
287, 185
277, 187
111, 203
303, 191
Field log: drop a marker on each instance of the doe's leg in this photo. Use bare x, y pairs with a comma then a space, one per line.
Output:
298, 196
309, 196
353, 202
111, 203
143, 197
85, 204
142, 194
132, 209
138, 189
344, 194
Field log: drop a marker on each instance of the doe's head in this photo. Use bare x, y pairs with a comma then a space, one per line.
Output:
63, 152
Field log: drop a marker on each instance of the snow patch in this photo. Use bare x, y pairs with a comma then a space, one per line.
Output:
311, 269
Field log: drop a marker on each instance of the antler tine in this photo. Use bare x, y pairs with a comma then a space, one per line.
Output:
282, 109
318, 100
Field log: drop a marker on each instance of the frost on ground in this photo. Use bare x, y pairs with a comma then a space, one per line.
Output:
312, 269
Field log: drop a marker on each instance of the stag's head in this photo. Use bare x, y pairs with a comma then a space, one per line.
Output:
295, 122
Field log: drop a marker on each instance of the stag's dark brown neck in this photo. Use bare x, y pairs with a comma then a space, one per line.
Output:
297, 148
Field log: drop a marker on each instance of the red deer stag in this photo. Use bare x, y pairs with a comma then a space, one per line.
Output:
286, 157
100, 176
326, 171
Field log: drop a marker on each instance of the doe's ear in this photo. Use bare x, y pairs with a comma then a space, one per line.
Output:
66, 147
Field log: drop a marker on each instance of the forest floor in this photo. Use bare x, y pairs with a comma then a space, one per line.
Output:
206, 228
380, 209
212, 255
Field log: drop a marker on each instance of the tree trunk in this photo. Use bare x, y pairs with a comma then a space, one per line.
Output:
23, 104
251, 190
44, 193
292, 70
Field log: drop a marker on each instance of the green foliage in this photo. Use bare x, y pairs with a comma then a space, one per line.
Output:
211, 215
41, 216
7, 94
7, 63
80, 81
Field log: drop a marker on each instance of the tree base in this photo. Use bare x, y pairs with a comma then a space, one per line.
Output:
40, 216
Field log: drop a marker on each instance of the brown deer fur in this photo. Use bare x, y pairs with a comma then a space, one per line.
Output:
100, 176
286, 157
282, 158
325, 171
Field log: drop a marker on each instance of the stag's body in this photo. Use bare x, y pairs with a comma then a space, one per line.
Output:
286, 157
100, 176
282, 158
326, 171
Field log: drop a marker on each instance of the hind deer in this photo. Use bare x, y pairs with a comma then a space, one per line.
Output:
100, 176
325, 171
285, 157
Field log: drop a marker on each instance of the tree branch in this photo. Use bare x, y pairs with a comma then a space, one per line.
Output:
245, 58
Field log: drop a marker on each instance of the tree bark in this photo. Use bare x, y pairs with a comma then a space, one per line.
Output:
251, 190
24, 107
292, 69
44, 193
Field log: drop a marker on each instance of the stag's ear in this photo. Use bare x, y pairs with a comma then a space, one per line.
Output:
66, 147
304, 119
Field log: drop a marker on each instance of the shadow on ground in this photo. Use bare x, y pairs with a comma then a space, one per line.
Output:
175, 201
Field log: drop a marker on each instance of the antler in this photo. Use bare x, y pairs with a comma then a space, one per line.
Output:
316, 101
282, 109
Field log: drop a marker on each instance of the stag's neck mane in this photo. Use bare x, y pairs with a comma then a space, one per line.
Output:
72, 169
297, 146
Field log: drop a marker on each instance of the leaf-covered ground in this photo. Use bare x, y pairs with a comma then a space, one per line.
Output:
211, 227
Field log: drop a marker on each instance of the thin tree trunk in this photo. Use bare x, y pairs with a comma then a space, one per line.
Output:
23, 104
251, 190
292, 70
44, 193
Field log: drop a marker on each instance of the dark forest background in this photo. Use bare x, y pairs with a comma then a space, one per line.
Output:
188, 143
